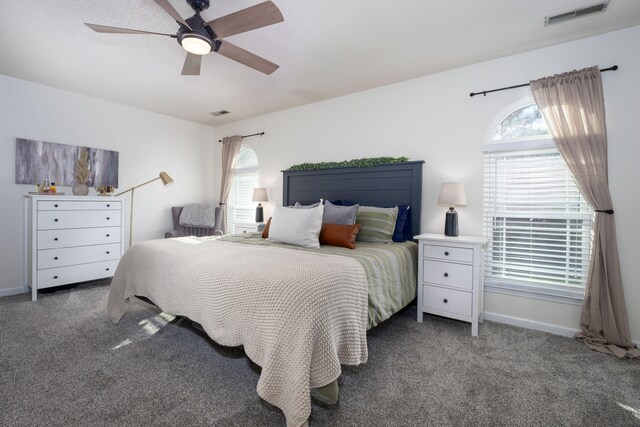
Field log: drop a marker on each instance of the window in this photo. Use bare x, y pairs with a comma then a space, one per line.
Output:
240, 208
537, 222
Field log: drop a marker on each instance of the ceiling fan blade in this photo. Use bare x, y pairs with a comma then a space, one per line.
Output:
245, 57
171, 11
116, 30
192, 65
248, 19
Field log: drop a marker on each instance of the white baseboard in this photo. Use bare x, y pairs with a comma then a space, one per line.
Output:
14, 291
535, 325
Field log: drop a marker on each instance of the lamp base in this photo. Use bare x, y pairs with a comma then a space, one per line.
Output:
259, 213
451, 223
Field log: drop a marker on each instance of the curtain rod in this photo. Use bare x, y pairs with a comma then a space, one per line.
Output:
485, 92
247, 136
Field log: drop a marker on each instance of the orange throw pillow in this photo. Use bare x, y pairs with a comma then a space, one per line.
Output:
339, 235
265, 230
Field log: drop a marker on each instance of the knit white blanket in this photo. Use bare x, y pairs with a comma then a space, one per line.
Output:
299, 315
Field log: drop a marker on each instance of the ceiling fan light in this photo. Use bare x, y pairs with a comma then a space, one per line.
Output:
196, 44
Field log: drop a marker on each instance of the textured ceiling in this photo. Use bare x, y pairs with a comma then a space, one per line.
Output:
324, 48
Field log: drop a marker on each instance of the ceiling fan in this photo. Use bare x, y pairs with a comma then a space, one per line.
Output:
199, 38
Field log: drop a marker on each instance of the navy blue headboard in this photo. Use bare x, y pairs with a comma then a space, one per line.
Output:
382, 186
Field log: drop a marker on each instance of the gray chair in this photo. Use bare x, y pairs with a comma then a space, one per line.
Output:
179, 230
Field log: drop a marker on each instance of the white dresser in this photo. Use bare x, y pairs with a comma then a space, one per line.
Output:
450, 277
71, 239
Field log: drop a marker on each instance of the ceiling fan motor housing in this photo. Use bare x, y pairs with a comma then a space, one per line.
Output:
198, 29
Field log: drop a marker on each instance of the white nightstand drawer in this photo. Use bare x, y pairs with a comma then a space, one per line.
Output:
77, 205
447, 300
447, 274
49, 220
76, 273
49, 239
60, 257
448, 253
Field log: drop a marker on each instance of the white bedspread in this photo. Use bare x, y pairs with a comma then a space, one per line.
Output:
299, 315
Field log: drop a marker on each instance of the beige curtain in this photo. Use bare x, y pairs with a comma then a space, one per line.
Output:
230, 148
573, 106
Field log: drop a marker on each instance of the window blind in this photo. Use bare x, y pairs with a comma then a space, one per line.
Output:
538, 223
240, 208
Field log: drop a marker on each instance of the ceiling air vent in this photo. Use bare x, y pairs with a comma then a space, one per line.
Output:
600, 7
220, 113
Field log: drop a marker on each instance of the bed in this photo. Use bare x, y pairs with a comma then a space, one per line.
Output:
299, 313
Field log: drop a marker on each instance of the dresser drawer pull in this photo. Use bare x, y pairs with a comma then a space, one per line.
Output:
55, 277
108, 205
55, 239
55, 257
446, 253
55, 220
55, 206
108, 252
446, 274
107, 268
445, 300
108, 218
108, 235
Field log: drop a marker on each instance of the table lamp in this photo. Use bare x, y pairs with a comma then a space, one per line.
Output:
452, 194
259, 195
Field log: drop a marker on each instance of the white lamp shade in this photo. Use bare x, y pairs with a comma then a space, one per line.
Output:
452, 194
260, 195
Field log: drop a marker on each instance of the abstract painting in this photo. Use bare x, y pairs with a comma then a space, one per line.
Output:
40, 160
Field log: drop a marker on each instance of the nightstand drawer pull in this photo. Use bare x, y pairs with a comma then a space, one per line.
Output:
446, 274
55, 239
108, 218
446, 253
108, 235
55, 257
108, 252
55, 277
55, 206
55, 220
445, 300
107, 268
108, 205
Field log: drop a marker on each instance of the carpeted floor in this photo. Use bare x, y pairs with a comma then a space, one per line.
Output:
63, 363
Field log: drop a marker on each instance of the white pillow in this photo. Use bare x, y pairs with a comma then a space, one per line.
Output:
296, 226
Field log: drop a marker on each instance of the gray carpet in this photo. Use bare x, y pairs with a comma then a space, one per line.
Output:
62, 364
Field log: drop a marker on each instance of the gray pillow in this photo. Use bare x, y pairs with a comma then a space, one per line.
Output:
297, 205
334, 214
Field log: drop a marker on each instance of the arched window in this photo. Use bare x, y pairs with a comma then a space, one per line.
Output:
240, 208
537, 222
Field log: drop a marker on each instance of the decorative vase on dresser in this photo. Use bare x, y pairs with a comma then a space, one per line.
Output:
71, 239
450, 277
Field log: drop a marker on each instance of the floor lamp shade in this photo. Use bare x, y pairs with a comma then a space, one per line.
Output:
452, 194
259, 195
162, 176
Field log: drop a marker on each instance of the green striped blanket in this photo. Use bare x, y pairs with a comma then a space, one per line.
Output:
390, 270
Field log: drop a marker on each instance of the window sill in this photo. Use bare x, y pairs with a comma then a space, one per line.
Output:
570, 296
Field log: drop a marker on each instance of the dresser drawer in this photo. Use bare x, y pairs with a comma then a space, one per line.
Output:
49, 239
77, 205
447, 274
60, 257
48, 220
76, 273
448, 253
447, 300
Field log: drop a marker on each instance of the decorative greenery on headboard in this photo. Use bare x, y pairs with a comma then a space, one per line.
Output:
355, 163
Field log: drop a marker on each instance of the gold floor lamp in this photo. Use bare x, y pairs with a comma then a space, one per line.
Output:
166, 180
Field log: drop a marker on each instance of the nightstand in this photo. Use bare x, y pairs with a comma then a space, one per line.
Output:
249, 227
450, 277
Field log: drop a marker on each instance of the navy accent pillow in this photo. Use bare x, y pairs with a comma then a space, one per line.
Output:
400, 232
337, 202
345, 202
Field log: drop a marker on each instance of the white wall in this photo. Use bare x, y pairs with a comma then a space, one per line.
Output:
434, 119
147, 142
